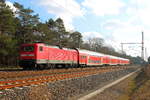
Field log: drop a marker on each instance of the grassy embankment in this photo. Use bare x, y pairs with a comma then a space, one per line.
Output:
138, 88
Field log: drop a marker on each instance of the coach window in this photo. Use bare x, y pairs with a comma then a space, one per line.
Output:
41, 48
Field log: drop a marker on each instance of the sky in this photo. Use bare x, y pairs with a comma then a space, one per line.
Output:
116, 21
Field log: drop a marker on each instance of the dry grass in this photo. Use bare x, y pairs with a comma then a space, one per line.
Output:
142, 90
147, 71
128, 86
136, 87
142, 93
128, 89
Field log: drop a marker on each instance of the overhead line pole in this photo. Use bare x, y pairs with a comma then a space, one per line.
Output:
146, 57
142, 47
142, 52
127, 43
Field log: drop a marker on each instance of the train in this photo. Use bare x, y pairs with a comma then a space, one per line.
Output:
41, 56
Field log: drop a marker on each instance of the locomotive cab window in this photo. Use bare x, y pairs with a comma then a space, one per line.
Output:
40, 48
27, 48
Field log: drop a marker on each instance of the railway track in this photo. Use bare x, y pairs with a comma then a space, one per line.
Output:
78, 73
6, 75
20, 74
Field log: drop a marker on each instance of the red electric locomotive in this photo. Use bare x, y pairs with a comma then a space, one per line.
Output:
37, 55
40, 55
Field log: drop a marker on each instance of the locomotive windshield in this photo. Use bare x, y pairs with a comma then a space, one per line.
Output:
28, 48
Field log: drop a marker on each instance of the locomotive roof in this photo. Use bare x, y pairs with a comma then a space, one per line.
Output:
84, 51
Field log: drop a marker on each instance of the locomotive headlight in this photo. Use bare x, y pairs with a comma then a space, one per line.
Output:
22, 55
30, 54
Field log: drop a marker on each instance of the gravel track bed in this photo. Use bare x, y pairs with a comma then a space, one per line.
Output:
63, 90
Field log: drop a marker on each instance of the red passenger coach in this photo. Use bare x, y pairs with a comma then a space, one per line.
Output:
40, 55
83, 59
92, 58
106, 60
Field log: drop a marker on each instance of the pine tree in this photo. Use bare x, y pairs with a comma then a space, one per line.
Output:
45, 34
7, 35
7, 23
75, 40
61, 34
58, 32
28, 23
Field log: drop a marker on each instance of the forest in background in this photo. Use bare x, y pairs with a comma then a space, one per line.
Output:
24, 26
